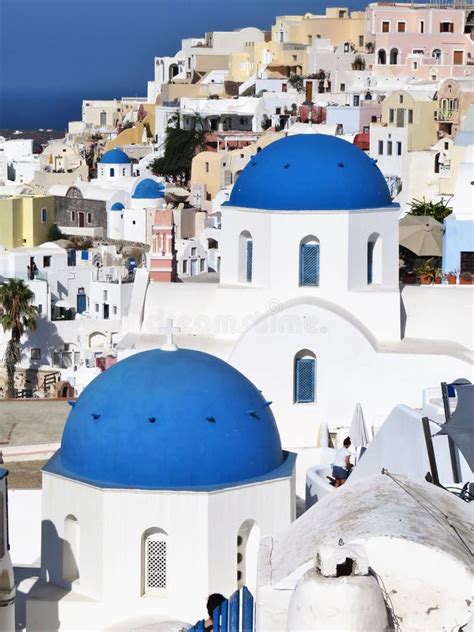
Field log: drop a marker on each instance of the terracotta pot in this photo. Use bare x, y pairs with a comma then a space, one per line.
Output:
438, 280
463, 281
409, 278
451, 279
426, 279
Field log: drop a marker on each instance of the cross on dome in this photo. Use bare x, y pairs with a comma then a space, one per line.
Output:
169, 330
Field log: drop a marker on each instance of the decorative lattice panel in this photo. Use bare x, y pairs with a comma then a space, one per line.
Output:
249, 266
305, 380
155, 565
310, 264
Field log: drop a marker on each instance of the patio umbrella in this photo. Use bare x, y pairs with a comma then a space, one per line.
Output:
461, 425
422, 234
358, 431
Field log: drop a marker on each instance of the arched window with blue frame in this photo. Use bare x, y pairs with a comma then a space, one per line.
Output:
305, 377
309, 261
245, 257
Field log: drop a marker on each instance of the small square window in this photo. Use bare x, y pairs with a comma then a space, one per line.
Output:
400, 98
343, 87
401, 27
446, 145
134, 222
46, 262
35, 353
385, 27
193, 252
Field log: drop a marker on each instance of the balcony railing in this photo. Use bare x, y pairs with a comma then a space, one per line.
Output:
445, 115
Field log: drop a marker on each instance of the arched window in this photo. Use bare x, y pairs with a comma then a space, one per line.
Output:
112, 172
309, 261
248, 540
71, 550
382, 57
394, 56
154, 561
436, 163
304, 377
437, 54
245, 257
374, 259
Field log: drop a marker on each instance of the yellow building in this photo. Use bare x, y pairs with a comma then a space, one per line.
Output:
415, 111
25, 220
337, 25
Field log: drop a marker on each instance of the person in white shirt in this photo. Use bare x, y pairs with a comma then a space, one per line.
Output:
342, 463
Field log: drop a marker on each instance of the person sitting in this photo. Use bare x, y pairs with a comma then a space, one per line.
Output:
213, 601
342, 463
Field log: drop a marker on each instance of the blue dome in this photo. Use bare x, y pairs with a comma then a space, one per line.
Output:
169, 420
149, 189
117, 206
115, 157
309, 172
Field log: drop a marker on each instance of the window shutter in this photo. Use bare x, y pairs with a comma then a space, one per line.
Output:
309, 264
248, 271
155, 564
305, 379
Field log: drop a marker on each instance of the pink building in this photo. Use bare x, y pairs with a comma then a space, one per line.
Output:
422, 41
163, 254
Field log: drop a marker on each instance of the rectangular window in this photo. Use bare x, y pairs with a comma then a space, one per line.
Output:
400, 98
467, 262
35, 353
84, 255
457, 58
193, 252
73, 216
385, 27
207, 167
155, 571
114, 310
389, 148
446, 27
309, 264
399, 149
305, 380
343, 87
391, 115
422, 26
401, 27
96, 307
185, 267
249, 261
106, 295
361, 40
89, 218
202, 264
46, 262
380, 150
356, 100
410, 116
44, 215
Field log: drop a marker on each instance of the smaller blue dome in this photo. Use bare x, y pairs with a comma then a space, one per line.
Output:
117, 206
149, 189
115, 157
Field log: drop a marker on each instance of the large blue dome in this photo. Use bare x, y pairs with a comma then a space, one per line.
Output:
308, 172
149, 189
169, 420
115, 157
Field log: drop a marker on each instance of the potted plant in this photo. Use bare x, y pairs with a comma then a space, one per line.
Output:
438, 276
451, 277
426, 273
465, 278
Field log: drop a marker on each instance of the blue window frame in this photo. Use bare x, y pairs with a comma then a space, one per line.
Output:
44, 215
309, 264
305, 380
370, 261
249, 261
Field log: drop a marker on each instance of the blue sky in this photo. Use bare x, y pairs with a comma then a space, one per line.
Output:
54, 53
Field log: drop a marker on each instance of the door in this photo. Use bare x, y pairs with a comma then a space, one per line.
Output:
81, 303
309, 90
106, 311
81, 217
194, 267
400, 117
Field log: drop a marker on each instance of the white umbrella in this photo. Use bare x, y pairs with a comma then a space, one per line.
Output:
358, 431
423, 235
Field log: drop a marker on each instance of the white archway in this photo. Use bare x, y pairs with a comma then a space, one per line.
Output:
374, 259
248, 542
246, 257
71, 550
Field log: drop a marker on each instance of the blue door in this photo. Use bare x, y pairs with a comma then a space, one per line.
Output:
81, 303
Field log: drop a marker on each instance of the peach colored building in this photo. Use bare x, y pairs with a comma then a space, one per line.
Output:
455, 96
423, 41
163, 254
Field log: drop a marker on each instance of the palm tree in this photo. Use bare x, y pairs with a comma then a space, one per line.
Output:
18, 316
